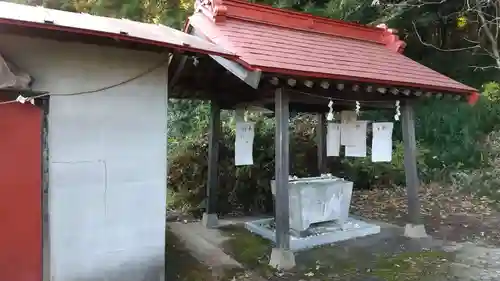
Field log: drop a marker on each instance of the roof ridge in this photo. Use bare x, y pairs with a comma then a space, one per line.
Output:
298, 14
220, 10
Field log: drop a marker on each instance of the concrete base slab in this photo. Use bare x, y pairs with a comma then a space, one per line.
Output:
204, 244
323, 235
210, 220
416, 231
282, 259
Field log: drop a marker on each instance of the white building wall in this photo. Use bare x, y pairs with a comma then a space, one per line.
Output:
107, 190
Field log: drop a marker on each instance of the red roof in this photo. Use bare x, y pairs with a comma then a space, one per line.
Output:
118, 29
287, 42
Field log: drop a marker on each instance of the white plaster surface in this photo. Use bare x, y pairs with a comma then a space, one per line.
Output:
107, 190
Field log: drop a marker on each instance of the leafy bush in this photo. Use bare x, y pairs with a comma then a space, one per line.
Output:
491, 91
247, 189
483, 181
451, 132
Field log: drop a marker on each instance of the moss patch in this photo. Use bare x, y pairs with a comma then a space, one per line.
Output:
250, 250
338, 262
416, 266
332, 262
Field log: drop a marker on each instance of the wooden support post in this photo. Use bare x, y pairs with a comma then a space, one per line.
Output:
210, 219
414, 228
282, 257
321, 142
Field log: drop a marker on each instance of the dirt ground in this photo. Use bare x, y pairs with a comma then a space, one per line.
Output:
449, 216
447, 213
387, 256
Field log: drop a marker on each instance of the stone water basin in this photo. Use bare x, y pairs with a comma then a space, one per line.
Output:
316, 200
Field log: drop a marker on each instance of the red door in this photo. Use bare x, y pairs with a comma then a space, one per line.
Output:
20, 193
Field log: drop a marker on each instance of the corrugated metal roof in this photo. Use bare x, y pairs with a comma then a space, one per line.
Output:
326, 52
121, 29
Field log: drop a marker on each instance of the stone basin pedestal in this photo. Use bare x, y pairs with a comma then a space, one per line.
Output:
319, 214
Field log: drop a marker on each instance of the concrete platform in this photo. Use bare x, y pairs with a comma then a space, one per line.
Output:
328, 234
204, 244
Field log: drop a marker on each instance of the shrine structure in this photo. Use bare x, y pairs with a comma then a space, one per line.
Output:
294, 61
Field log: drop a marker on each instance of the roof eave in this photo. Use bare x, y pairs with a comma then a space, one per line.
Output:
463, 91
399, 48
118, 37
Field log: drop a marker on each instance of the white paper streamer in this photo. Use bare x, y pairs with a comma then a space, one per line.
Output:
382, 141
330, 116
398, 111
243, 147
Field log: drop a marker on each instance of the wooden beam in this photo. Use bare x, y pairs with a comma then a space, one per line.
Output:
252, 78
177, 71
320, 96
345, 86
307, 108
282, 166
210, 216
257, 102
410, 164
321, 143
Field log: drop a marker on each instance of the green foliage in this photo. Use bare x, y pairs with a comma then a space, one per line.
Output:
367, 174
437, 33
350, 10
168, 12
484, 181
244, 188
452, 130
491, 91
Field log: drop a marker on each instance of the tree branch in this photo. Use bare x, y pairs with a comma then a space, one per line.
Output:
438, 48
482, 68
486, 28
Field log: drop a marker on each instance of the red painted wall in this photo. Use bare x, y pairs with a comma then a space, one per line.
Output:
20, 193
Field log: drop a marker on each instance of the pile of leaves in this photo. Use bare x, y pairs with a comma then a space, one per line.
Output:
447, 212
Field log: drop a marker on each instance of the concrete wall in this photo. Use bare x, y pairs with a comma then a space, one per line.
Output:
107, 163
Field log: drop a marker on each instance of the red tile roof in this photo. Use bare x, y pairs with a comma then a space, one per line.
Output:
282, 41
119, 29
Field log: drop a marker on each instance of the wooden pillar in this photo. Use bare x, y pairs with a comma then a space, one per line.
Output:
282, 170
210, 219
321, 142
282, 257
414, 228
